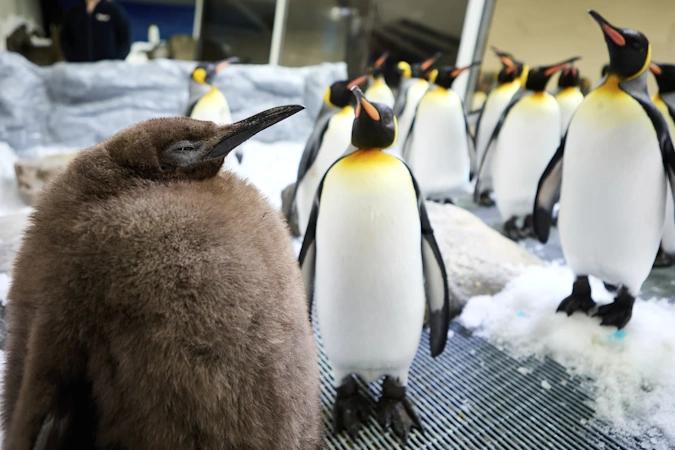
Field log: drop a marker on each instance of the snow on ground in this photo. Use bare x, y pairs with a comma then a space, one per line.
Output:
631, 371
271, 167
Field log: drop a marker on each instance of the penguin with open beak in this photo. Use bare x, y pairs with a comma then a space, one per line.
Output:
526, 136
156, 305
439, 146
610, 174
378, 89
510, 80
329, 140
372, 266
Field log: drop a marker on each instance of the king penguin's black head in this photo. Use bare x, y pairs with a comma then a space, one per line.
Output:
569, 77
205, 73
446, 75
537, 78
339, 93
629, 50
378, 65
418, 70
374, 123
511, 68
665, 76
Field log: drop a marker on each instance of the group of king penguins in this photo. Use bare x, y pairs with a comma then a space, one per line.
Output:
372, 267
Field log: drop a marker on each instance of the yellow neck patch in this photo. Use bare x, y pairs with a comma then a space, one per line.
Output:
199, 75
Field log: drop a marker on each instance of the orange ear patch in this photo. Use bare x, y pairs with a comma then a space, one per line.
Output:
614, 35
370, 110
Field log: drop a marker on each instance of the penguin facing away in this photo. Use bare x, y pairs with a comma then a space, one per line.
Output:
526, 136
369, 212
569, 95
665, 102
156, 305
510, 79
438, 147
413, 87
329, 140
378, 90
207, 102
618, 138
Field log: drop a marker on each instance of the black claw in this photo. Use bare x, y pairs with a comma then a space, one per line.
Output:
485, 199
579, 300
395, 411
511, 229
350, 409
618, 313
663, 259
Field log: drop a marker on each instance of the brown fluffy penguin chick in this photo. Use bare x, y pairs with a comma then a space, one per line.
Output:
157, 306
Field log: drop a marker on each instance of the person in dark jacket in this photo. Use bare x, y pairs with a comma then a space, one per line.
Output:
95, 30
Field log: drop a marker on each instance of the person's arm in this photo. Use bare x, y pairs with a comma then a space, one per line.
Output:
122, 32
66, 37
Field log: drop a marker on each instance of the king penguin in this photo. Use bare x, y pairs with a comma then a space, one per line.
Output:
207, 102
510, 79
414, 84
329, 140
156, 305
438, 146
610, 175
569, 95
526, 136
665, 102
378, 89
371, 262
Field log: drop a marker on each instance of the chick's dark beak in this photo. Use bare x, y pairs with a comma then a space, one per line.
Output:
608, 29
230, 136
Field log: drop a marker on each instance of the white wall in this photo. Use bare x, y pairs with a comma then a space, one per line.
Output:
546, 31
26, 8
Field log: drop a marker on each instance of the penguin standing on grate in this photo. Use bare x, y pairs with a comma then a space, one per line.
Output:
610, 174
371, 262
156, 305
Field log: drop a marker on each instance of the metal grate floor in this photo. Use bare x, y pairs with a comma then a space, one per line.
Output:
475, 397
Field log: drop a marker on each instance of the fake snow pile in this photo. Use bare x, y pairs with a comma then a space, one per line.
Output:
270, 167
632, 371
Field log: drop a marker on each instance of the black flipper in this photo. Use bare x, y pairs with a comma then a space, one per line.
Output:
548, 193
495, 133
637, 89
435, 280
307, 258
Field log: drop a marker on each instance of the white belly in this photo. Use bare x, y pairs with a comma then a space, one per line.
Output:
613, 191
439, 153
413, 96
379, 92
526, 143
335, 142
495, 104
569, 100
369, 286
